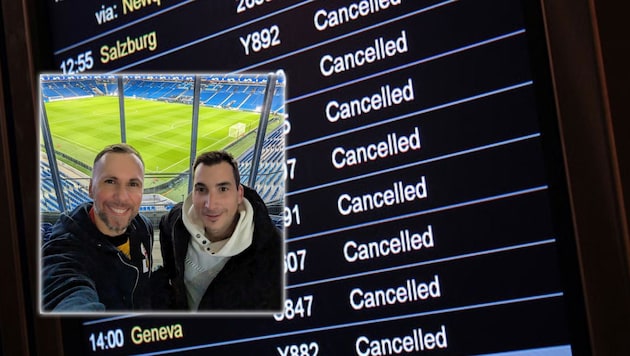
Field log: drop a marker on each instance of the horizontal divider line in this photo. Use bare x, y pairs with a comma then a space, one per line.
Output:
346, 35
420, 213
412, 114
409, 65
361, 323
426, 263
128, 24
213, 35
445, 259
255, 65
414, 164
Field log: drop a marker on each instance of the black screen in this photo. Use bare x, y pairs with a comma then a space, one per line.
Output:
425, 205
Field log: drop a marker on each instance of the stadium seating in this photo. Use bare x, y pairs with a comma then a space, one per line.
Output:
74, 192
269, 182
244, 93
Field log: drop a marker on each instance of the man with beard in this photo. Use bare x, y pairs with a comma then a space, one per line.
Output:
220, 248
98, 257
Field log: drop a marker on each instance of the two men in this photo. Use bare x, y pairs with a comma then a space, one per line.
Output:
98, 257
220, 249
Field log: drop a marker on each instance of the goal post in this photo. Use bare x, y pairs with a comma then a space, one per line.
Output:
237, 130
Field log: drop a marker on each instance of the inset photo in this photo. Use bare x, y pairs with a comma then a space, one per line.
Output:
162, 193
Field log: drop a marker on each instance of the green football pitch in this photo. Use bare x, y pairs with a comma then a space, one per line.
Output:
160, 131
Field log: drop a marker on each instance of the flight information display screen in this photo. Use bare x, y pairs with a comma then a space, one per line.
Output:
424, 210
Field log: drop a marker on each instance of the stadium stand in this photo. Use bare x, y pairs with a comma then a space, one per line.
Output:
242, 93
270, 180
74, 192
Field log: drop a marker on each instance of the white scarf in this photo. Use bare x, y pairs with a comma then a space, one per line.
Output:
205, 260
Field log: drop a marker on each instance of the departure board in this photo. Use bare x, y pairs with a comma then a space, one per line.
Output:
424, 210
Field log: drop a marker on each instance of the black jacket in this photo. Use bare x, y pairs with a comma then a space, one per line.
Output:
83, 271
249, 281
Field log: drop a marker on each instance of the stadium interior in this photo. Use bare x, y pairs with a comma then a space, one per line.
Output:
261, 164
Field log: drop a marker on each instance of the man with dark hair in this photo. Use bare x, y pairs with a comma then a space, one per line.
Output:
220, 247
98, 257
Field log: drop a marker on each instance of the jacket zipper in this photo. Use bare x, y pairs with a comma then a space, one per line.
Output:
133, 291
150, 266
174, 242
179, 271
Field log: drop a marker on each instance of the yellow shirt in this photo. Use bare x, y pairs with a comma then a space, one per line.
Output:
124, 247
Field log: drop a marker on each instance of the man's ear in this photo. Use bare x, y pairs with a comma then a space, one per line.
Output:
241, 193
90, 190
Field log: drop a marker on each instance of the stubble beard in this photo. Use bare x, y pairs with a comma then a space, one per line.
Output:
116, 229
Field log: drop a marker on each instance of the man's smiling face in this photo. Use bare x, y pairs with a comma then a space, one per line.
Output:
116, 188
216, 197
